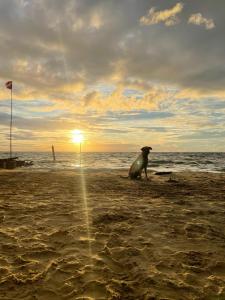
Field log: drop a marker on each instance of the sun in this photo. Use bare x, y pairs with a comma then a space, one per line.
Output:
77, 136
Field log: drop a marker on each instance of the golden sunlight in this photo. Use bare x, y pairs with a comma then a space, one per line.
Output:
77, 136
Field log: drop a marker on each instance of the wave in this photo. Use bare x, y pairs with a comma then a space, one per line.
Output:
51, 161
173, 161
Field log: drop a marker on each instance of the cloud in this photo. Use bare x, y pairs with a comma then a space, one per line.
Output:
151, 129
119, 101
91, 65
198, 19
205, 135
40, 123
142, 116
107, 46
168, 16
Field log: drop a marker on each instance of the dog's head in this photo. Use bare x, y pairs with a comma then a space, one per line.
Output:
146, 149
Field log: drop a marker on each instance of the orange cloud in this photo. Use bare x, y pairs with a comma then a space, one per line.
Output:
118, 101
168, 16
198, 19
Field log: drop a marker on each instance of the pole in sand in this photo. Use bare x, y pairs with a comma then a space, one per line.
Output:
80, 154
8, 85
53, 153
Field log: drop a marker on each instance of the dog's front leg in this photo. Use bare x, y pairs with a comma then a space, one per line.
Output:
139, 177
146, 175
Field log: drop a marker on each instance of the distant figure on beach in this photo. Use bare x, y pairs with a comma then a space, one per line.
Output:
139, 164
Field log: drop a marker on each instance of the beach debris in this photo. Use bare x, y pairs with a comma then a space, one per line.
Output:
163, 173
172, 179
14, 162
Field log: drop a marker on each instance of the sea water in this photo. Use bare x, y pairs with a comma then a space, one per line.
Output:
158, 161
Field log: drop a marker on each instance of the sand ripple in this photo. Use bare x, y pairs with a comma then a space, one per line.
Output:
143, 240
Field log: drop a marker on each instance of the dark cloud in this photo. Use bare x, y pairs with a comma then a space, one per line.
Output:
23, 136
38, 123
151, 129
88, 39
204, 135
132, 75
115, 131
142, 116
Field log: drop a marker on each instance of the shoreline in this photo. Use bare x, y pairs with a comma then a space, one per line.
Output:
114, 170
81, 234
181, 162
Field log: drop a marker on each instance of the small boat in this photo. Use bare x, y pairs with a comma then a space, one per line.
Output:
14, 162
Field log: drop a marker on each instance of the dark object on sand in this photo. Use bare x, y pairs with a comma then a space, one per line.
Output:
139, 164
13, 162
163, 173
171, 179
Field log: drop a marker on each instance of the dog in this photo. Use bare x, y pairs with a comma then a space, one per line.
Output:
139, 164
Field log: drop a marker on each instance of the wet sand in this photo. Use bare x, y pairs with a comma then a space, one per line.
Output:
95, 235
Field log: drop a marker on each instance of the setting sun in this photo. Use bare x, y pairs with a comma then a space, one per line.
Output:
77, 136
112, 149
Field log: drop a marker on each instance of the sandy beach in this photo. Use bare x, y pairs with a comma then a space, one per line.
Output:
95, 235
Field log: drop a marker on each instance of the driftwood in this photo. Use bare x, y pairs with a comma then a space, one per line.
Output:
13, 162
163, 173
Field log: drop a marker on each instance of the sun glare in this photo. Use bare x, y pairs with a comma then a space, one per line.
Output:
77, 136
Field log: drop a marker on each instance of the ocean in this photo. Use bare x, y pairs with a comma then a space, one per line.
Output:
158, 161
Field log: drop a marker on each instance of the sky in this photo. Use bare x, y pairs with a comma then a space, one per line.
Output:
127, 73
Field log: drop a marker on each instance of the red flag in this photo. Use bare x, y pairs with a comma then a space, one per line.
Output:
8, 85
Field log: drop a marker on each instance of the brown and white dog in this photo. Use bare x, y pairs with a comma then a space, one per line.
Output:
139, 164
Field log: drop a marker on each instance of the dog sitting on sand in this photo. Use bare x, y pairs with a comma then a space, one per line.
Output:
139, 164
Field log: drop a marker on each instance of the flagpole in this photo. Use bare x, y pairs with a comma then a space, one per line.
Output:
80, 154
10, 135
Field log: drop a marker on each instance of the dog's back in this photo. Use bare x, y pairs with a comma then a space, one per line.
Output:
136, 167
